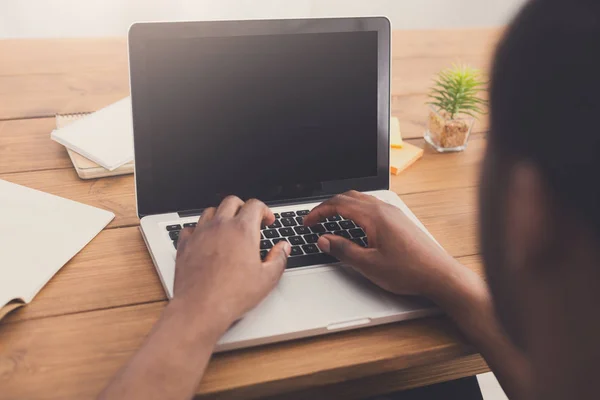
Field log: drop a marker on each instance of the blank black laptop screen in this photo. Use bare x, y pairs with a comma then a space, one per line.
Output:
276, 117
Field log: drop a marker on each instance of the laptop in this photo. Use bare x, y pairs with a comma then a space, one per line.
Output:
290, 112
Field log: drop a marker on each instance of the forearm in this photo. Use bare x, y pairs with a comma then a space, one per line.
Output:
467, 300
172, 360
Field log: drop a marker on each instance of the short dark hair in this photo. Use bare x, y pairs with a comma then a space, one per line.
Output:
545, 99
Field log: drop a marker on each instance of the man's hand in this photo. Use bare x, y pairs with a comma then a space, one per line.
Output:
219, 276
401, 258
218, 266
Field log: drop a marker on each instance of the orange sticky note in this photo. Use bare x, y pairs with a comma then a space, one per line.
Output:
400, 159
395, 135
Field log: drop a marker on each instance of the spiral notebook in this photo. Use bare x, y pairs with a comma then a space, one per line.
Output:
99, 144
85, 168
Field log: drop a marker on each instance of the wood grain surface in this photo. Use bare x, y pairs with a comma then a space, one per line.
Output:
74, 355
394, 381
97, 310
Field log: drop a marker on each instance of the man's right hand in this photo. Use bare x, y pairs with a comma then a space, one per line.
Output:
401, 258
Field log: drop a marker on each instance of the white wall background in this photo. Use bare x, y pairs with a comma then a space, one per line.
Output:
80, 18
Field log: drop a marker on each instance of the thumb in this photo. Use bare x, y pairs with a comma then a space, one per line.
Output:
276, 261
342, 249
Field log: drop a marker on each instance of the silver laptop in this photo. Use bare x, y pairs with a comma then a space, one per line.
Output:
287, 111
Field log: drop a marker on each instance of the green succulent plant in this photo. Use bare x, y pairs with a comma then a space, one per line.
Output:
456, 90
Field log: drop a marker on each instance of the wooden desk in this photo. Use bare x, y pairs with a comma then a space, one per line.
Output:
97, 310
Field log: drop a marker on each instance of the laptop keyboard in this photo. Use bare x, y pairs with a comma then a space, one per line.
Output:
289, 226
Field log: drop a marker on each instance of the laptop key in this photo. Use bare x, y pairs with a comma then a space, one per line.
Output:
265, 244
288, 214
317, 228
302, 230
310, 259
310, 248
287, 232
190, 225
276, 224
277, 215
334, 218
357, 233
303, 213
343, 234
300, 220
296, 240
296, 251
331, 226
173, 227
288, 221
275, 241
359, 242
174, 235
347, 224
311, 238
175, 244
271, 234
263, 254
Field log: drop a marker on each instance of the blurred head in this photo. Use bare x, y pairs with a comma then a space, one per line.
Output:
540, 192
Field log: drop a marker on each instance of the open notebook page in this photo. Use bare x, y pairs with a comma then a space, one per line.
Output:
39, 234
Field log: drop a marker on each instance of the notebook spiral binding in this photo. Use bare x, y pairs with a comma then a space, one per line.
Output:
64, 119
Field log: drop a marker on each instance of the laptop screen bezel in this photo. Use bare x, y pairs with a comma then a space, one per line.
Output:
140, 34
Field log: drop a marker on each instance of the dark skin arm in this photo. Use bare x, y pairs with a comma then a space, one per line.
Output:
212, 290
214, 286
402, 259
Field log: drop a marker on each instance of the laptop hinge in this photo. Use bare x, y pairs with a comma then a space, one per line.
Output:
194, 213
189, 213
297, 201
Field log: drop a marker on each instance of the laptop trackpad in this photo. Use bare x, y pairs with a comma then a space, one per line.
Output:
313, 299
331, 296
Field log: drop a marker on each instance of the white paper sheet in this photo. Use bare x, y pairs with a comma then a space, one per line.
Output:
40, 233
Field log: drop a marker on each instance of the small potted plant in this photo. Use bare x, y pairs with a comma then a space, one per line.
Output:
454, 106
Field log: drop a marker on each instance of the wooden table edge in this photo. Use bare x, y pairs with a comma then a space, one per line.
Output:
417, 361
385, 383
